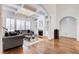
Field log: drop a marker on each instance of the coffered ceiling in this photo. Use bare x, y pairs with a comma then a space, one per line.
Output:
25, 9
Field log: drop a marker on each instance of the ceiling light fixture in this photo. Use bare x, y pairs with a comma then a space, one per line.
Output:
26, 12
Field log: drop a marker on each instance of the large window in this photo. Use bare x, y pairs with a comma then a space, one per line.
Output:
27, 25
18, 24
10, 24
22, 25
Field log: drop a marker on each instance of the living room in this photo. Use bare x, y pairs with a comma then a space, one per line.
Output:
39, 28
21, 23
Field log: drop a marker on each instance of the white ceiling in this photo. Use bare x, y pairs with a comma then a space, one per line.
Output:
36, 9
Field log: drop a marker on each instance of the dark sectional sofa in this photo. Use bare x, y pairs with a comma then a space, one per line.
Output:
14, 39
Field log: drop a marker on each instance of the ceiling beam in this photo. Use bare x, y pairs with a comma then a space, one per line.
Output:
8, 9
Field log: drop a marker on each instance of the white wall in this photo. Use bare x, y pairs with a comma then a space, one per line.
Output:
51, 9
68, 27
57, 12
40, 22
68, 10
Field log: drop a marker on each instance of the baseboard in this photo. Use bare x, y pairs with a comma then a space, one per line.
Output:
67, 37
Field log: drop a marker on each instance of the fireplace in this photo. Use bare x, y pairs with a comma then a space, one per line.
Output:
40, 32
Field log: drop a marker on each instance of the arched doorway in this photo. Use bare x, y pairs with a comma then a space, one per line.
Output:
68, 27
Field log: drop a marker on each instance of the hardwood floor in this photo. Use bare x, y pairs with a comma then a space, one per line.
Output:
61, 46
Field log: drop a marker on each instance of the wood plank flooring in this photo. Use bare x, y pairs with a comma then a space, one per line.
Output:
54, 46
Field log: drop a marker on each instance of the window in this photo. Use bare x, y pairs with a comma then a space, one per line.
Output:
27, 25
18, 22
22, 25
10, 24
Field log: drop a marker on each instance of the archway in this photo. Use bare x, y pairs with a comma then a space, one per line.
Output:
68, 27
